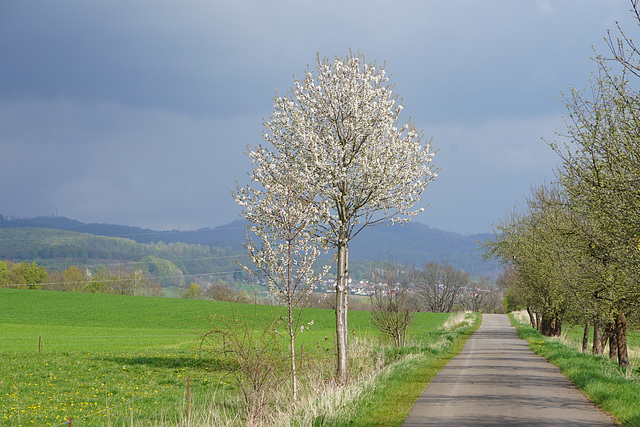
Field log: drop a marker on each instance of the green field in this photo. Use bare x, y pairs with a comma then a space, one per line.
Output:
574, 334
124, 360
66, 321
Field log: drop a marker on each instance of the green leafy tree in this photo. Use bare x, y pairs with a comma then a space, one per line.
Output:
164, 271
600, 171
576, 250
194, 292
100, 281
520, 241
74, 279
27, 275
4, 273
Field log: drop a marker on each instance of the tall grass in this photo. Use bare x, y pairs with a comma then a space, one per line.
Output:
455, 320
387, 384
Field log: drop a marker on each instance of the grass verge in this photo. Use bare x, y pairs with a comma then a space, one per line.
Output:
613, 389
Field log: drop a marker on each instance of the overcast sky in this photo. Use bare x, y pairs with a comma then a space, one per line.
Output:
138, 112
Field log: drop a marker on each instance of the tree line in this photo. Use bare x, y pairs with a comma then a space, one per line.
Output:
400, 291
572, 254
121, 280
59, 249
117, 280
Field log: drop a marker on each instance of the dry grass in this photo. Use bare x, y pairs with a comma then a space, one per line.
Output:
521, 317
321, 400
458, 320
324, 400
455, 321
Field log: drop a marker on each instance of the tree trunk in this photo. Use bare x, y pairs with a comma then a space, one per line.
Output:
342, 311
290, 305
546, 326
292, 352
621, 336
556, 327
613, 341
605, 335
597, 337
585, 337
532, 317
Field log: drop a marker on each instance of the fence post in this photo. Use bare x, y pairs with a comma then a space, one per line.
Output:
188, 397
301, 350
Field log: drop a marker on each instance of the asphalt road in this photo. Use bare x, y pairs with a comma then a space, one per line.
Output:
498, 381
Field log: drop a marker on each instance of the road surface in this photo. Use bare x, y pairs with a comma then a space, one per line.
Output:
498, 381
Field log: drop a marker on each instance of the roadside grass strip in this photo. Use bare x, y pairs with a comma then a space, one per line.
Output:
613, 389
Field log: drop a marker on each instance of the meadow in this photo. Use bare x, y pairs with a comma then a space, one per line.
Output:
574, 334
124, 360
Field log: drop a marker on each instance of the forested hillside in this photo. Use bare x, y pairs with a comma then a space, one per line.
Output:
200, 250
418, 244
172, 263
229, 236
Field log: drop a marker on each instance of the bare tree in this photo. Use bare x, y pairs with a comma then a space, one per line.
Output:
338, 129
393, 307
257, 351
481, 295
439, 286
221, 291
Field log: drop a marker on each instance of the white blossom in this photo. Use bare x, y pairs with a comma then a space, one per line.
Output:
338, 161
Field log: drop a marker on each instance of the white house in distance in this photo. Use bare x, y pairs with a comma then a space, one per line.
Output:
362, 288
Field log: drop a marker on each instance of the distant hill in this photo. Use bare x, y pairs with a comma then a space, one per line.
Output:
231, 235
171, 264
419, 244
413, 242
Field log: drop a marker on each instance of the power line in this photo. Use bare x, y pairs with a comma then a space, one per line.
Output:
102, 336
131, 279
129, 263
153, 233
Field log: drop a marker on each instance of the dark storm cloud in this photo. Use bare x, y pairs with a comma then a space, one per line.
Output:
107, 163
138, 112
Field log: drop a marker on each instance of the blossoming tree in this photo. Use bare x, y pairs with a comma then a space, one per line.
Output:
283, 215
337, 133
